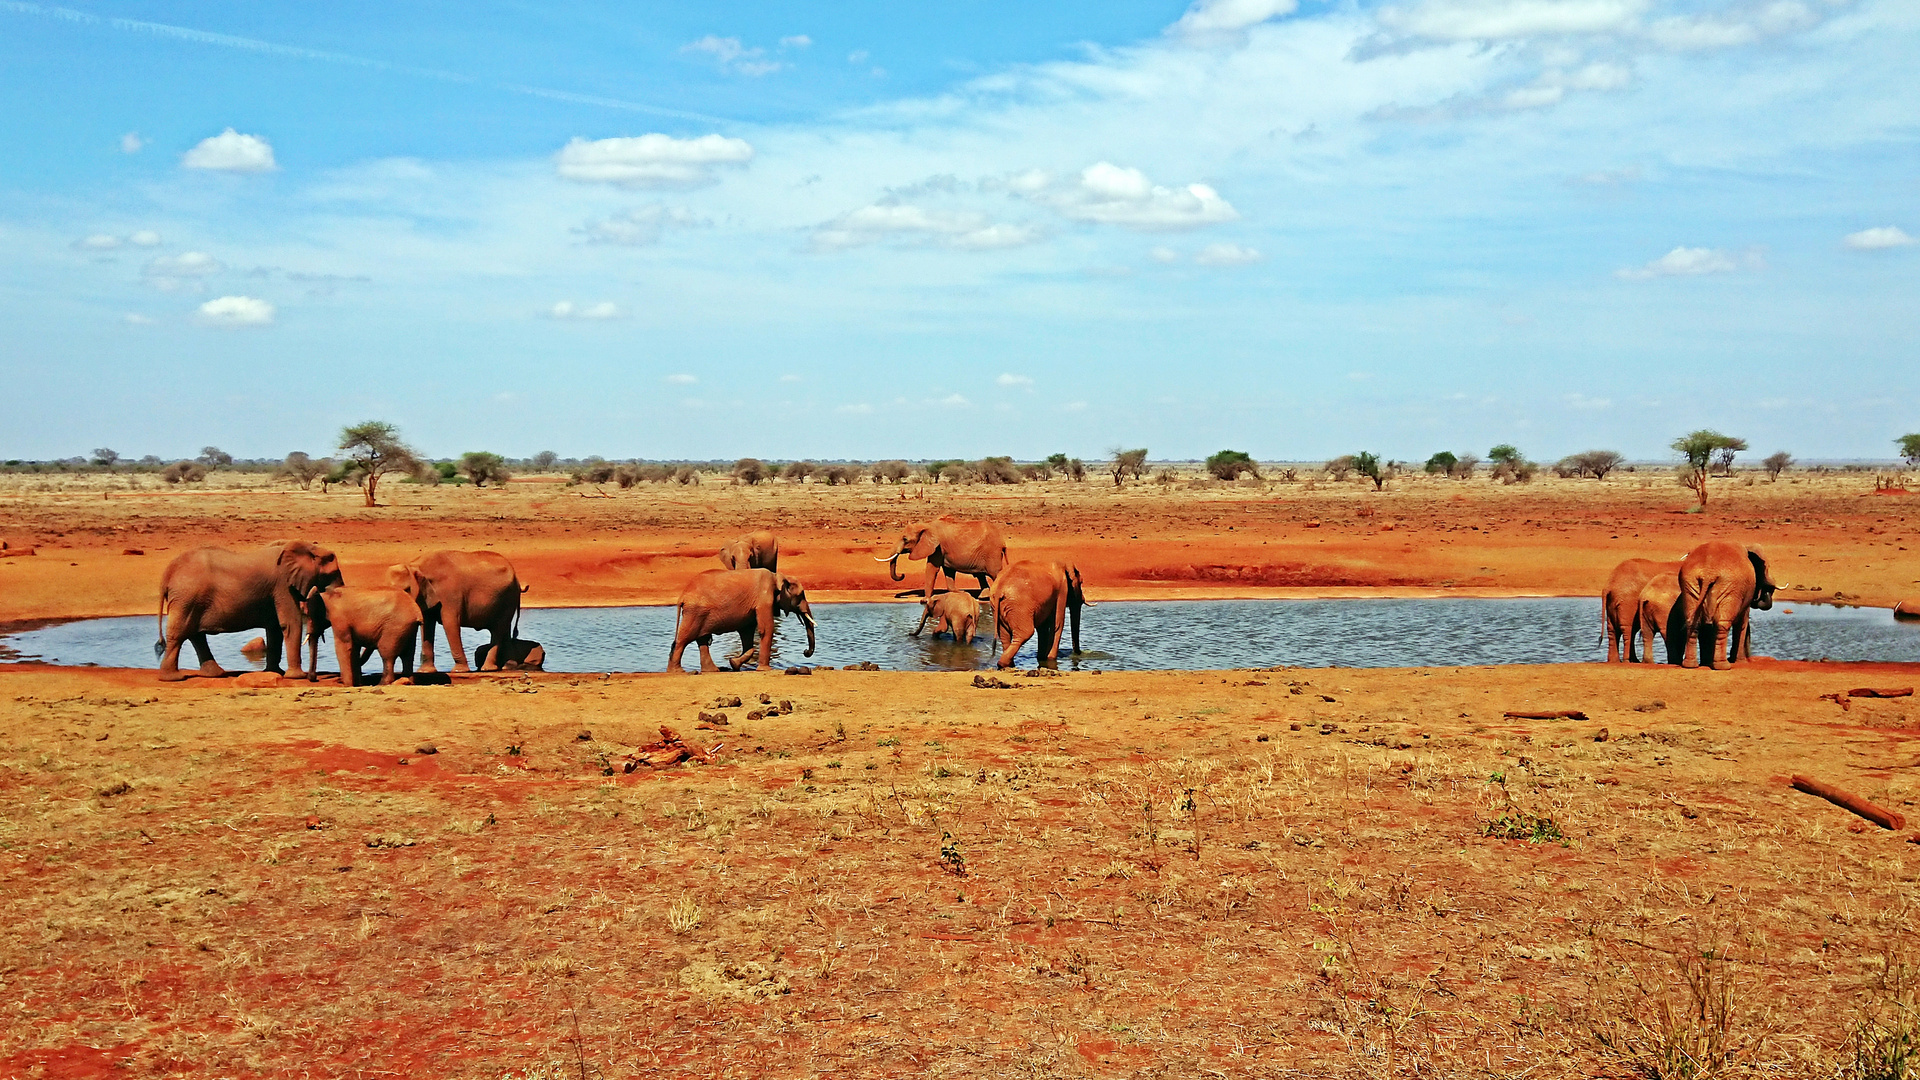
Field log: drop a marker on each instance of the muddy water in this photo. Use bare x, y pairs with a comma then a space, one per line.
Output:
1190, 635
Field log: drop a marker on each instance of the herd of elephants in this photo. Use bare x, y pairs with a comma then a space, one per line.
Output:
293, 587
1697, 605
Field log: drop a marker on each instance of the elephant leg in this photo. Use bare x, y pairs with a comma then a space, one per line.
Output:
933, 579
501, 634
766, 639
965, 633
706, 654
739, 659
406, 652
204, 653
343, 651
285, 638
1718, 657
429, 621
1691, 632
170, 652
1610, 626
387, 657
450, 620
1646, 645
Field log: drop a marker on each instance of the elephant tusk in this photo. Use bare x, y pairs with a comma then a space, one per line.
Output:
889, 558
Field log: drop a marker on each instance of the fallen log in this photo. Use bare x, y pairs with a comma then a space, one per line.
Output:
1883, 692
1846, 800
1557, 714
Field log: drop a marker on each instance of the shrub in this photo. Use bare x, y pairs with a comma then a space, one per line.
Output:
375, 450
1340, 468
106, 456
1165, 476
798, 471
1076, 470
997, 470
1442, 463
951, 470
191, 472
214, 458
544, 460
1057, 462
1594, 463
1368, 464
1229, 464
626, 476
1776, 463
1909, 449
303, 470
1128, 463
1463, 468
749, 471
840, 474
483, 467
891, 472
1510, 466
685, 475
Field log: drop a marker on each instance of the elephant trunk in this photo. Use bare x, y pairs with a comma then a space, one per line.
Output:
893, 568
806, 616
1073, 616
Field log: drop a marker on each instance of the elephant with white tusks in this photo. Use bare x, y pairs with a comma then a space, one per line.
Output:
952, 548
737, 601
216, 591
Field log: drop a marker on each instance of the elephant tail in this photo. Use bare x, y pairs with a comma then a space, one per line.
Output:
160, 641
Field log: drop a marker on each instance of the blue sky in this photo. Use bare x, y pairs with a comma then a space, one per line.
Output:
877, 230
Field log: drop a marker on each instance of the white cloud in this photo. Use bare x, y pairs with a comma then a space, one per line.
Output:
567, 309
144, 238
1682, 262
861, 409
955, 400
236, 311
231, 151
1164, 255
131, 142
683, 379
858, 56
790, 378
1722, 30
1209, 18
1583, 402
1227, 255
1552, 86
1108, 194
652, 160
1879, 239
1485, 20
733, 57
1074, 406
797, 41
1010, 379
185, 264
640, 227
98, 242
964, 230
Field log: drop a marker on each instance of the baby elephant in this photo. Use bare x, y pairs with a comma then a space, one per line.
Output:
365, 619
953, 611
518, 655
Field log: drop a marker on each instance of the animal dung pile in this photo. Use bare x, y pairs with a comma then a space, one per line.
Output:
669, 750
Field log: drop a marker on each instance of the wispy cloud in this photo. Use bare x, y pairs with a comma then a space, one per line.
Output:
1879, 238
1010, 379
232, 312
880, 222
567, 309
734, 58
231, 151
1109, 194
640, 227
652, 160
1682, 262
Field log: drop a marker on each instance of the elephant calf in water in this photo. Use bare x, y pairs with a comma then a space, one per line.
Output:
516, 655
954, 612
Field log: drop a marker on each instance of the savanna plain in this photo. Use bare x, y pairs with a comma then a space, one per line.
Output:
1276, 872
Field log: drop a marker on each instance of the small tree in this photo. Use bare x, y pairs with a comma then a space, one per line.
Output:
1505, 454
1598, 463
839, 474
1340, 468
1699, 448
374, 449
1442, 463
798, 471
481, 466
1076, 470
1463, 468
1723, 454
303, 470
1057, 462
1229, 464
1776, 463
891, 472
1128, 463
997, 470
190, 472
214, 458
544, 460
1368, 464
1909, 449
749, 471
107, 457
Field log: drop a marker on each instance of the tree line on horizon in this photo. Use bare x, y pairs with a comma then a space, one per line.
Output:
374, 449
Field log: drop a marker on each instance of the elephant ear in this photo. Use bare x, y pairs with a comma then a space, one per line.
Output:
925, 544
300, 566
1763, 585
1075, 588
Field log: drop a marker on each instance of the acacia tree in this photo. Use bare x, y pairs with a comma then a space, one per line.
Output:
1776, 463
1230, 464
1909, 449
544, 460
1128, 462
482, 466
1699, 448
1443, 463
1369, 465
214, 458
749, 471
303, 470
106, 456
374, 449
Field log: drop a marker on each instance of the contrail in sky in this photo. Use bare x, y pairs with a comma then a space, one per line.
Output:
229, 41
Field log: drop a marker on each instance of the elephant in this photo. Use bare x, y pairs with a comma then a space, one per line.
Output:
366, 619
953, 611
953, 547
216, 591
737, 601
476, 589
1620, 604
1720, 581
758, 550
1660, 613
516, 655
1036, 598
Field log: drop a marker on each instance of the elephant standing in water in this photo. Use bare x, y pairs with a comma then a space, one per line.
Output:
951, 547
951, 611
1620, 603
1660, 613
474, 589
364, 620
216, 591
736, 601
1036, 598
759, 550
1720, 581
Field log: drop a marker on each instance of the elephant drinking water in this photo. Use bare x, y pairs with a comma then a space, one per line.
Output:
953, 548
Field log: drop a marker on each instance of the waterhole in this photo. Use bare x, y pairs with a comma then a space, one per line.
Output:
1115, 636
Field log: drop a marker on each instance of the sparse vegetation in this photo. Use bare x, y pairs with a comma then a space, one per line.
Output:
891, 472
797, 472
1128, 463
301, 469
1231, 465
1443, 463
1776, 463
1369, 465
483, 468
544, 461
374, 449
1510, 466
1594, 463
749, 471
214, 458
1340, 468
1699, 451
1909, 446
184, 472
